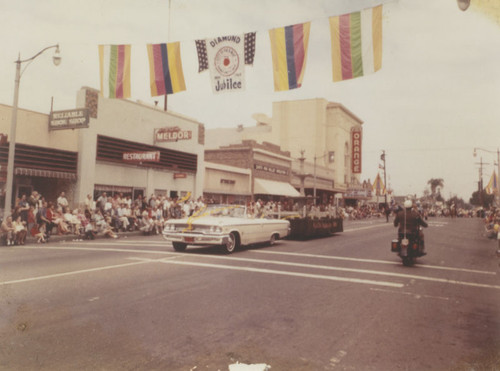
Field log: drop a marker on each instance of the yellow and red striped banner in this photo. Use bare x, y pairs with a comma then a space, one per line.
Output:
356, 40
114, 63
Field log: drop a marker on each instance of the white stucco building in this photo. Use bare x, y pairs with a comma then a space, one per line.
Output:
97, 158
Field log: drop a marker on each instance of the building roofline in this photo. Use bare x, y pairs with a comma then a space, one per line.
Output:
149, 106
25, 110
343, 108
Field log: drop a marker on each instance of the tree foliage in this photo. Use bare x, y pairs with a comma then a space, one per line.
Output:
482, 199
435, 183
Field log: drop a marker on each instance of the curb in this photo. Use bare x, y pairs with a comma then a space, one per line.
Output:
73, 238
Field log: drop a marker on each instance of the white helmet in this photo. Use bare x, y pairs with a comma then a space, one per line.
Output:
408, 204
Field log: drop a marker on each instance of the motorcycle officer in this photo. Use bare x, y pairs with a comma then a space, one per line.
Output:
410, 220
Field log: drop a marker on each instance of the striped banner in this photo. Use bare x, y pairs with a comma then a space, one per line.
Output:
378, 186
165, 69
114, 62
356, 40
289, 53
492, 186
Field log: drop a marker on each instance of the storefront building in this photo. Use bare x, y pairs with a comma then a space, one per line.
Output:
269, 168
138, 150
324, 140
126, 147
227, 184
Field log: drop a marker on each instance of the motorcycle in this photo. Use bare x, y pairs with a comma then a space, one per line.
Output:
409, 246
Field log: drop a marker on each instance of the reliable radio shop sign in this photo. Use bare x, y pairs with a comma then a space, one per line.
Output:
172, 134
69, 119
356, 136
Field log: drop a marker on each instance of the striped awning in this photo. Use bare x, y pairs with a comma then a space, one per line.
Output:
44, 173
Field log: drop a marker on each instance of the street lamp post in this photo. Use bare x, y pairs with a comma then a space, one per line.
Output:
498, 170
13, 124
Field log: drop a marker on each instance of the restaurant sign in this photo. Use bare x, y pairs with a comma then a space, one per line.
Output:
69, 119
356, 150
172, 134
152, 156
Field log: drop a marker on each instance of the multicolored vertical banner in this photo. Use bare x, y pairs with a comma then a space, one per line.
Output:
378, 186
356, 40
114, 63
165, 69
492, 186
289, 54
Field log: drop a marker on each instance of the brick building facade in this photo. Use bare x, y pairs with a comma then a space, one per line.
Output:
270, 168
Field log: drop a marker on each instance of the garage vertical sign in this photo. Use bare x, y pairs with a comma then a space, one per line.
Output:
356, 138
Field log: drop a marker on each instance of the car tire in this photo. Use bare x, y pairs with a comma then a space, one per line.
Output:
179, 246
232, 243
273, 239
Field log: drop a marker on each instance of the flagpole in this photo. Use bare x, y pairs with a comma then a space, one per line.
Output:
168, 39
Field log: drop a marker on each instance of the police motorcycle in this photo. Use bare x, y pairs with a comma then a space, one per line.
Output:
409, 245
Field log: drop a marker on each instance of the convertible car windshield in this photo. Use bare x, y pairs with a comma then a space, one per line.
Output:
235, 211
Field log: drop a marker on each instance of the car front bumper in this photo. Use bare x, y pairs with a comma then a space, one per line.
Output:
196, 238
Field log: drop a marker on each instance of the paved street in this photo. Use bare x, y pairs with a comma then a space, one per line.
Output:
339, 303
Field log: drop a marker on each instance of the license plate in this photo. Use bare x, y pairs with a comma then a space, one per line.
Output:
405, 242
188, 239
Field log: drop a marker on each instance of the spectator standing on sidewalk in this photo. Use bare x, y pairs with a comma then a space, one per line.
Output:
62, 201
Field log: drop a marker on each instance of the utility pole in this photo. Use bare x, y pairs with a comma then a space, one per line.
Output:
382, 157
480, 183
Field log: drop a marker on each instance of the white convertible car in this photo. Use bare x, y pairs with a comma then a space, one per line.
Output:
225, 225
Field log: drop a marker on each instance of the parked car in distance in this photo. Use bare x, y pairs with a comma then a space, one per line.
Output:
226, 225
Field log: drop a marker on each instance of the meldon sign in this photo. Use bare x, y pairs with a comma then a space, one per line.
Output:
356, 150
153, 156
172, 134
69, 119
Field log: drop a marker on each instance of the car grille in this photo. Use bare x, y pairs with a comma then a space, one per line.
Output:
195, 229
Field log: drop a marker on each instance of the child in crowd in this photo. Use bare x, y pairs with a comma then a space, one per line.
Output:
90, 231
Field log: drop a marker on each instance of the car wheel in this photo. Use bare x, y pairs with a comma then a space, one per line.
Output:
272, 240
179, 246
232, 243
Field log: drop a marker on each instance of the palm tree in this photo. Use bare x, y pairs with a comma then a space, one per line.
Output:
435, 183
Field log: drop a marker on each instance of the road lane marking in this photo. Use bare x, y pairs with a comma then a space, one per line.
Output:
56, 275
362, 271
260, 261
368, 227
416, 296
370, 261
271, 271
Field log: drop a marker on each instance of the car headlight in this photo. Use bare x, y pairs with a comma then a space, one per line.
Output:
215, 229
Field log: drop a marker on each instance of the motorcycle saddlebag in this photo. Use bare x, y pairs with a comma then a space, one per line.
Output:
395, 246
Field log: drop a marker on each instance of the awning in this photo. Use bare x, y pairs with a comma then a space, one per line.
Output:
272, 187
44, 173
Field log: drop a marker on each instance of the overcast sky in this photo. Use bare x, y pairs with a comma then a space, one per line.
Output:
434, 100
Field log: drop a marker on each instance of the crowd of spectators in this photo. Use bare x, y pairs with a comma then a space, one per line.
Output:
492, 222
35, 217
107, 215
